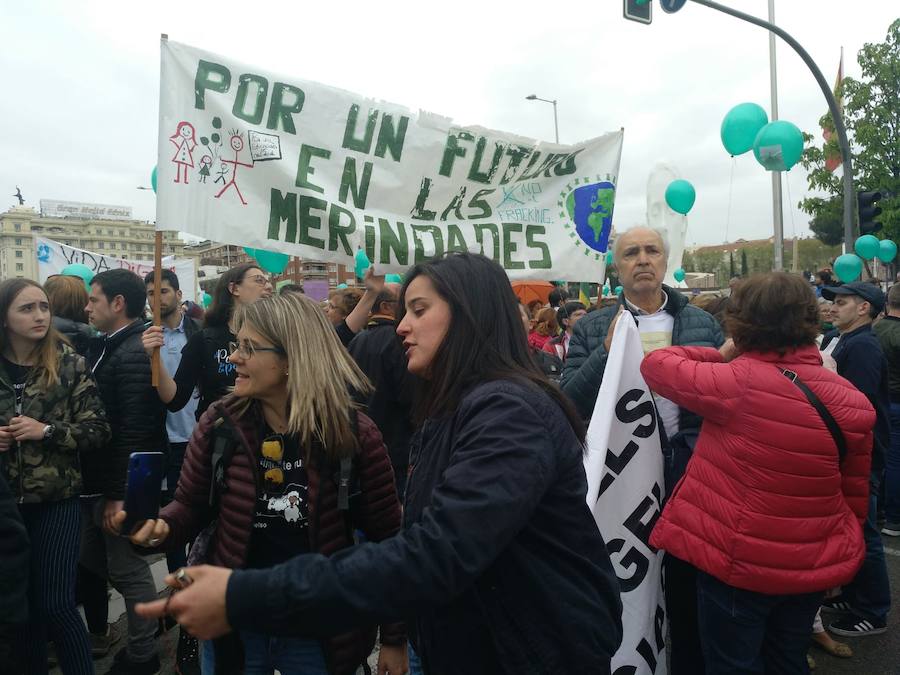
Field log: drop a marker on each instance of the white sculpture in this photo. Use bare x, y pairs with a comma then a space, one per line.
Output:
660, 216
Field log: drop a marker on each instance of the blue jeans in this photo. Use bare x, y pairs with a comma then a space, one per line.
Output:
415, 664
869, 594
746, 632
264, 653
892, 470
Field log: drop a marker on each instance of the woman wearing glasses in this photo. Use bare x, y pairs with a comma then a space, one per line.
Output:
204, 359
305, 471
500, 562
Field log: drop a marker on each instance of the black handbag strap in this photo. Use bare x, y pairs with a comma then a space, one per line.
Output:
830, 422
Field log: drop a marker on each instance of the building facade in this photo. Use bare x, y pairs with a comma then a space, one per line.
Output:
120, 238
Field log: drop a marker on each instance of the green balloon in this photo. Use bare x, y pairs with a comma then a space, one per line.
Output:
205, 300
867, 247
270, 261
778, 145
887, 251
342, 285
679, 275
83, 272
153, 180
609, 257
618, 290
740, 126
680, 196
848, 267
362, 263
393, 279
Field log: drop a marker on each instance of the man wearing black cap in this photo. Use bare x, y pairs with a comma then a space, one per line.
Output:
855, 347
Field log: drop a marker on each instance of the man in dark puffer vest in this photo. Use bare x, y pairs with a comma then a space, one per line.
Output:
664, 318
137, 418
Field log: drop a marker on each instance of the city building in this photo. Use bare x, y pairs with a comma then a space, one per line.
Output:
99, 228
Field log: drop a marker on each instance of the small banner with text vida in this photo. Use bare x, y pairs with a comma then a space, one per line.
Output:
624, 466
270, 161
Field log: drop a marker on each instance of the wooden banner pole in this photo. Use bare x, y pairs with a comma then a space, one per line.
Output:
157, 315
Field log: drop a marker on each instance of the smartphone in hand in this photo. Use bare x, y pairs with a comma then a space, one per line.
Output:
144, 489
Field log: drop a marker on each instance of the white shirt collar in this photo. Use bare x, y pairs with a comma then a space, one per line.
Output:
640, 312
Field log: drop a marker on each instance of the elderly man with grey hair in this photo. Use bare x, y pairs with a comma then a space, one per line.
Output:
664, 318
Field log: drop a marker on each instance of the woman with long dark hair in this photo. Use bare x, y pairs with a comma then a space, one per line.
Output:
49, 413
500, 567
204, 359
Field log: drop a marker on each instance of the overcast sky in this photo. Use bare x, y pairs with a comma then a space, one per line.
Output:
81, 83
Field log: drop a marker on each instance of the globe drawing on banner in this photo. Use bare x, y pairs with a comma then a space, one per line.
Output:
589, 210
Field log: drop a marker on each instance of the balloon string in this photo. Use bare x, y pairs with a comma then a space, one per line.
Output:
730, 187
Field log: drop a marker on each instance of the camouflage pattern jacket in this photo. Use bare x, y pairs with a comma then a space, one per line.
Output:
50, 470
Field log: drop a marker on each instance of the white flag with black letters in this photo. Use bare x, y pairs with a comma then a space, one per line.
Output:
624, 466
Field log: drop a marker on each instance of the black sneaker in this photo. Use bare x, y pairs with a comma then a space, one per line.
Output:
856, 626
836, 604
101, 644
123, 665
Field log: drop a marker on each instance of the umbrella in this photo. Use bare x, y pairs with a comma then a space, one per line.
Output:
531, 291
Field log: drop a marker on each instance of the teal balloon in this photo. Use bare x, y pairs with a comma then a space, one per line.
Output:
679, 275
867, 247
205, 300
270, 261
342, 285
609, 257
778, 145
848, 267
680, 196
618, 290
606, 290
83, 272
393, 279
362, 263
153, 179
887, 251
740, 127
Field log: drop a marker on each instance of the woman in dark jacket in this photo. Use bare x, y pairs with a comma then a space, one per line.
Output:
68, 298
49, 413
305, 471
204, 360
500, 567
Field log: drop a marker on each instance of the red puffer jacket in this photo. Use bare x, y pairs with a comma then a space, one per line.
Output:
763, 505
377, 514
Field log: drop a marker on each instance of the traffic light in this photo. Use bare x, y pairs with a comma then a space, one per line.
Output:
638, 10
868, 212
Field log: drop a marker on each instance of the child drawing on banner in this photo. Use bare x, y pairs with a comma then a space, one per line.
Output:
237, 144
205, 163
223, 169
184, 141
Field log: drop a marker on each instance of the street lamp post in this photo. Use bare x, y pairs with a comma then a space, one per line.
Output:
532, 97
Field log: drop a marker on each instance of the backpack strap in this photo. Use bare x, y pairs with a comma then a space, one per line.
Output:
224, 444
836, 434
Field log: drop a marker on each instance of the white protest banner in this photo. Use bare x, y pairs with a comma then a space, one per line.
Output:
52, 257
271, 161
624, 467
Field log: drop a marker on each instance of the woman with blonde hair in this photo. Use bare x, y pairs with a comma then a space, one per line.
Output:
288, 466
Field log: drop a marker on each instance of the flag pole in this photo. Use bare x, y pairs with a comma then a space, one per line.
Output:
777, 212
157, 315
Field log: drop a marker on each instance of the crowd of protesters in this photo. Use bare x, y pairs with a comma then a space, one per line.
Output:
402, 464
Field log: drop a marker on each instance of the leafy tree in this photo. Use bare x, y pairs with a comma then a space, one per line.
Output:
744, 270
872, 117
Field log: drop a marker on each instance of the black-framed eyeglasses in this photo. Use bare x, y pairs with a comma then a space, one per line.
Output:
247, 349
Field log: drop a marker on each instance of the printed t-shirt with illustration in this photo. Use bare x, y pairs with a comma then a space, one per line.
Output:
281, 516
656, 333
